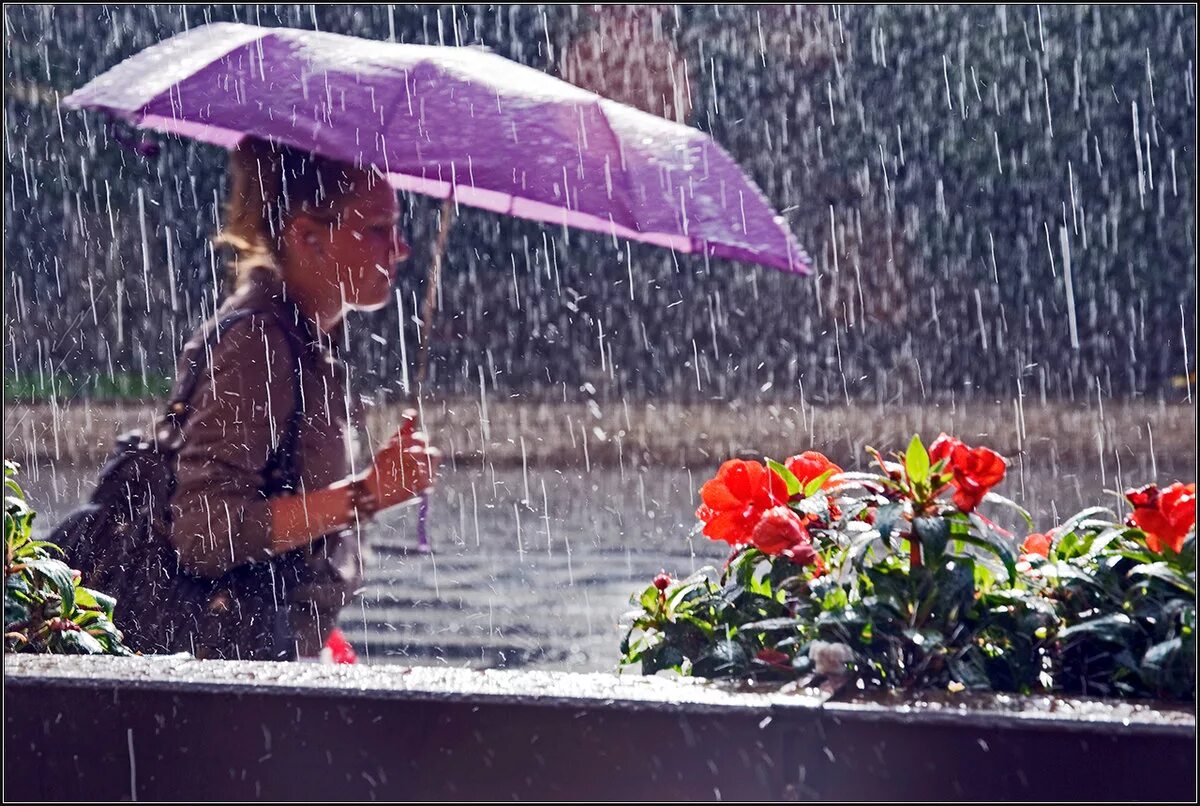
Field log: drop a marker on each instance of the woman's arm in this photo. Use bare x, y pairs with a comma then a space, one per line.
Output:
296, 520
401, 470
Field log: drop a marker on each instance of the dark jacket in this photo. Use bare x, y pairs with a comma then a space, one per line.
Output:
221, 518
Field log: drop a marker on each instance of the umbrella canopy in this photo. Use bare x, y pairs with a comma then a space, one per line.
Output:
457, 123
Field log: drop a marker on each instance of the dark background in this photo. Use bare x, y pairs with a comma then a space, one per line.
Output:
930, 159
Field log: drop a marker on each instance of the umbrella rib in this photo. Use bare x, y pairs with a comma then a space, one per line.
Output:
621, 153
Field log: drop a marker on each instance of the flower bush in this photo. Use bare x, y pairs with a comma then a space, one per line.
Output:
1125, 596
45, 607
896, 578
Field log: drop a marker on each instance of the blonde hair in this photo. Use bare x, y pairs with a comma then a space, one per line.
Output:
268, 184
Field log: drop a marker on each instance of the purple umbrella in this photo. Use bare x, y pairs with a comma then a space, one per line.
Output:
457, 123
460, 124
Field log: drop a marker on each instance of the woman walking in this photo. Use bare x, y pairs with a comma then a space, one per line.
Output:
267, 502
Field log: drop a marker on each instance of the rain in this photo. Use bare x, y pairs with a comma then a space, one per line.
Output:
999, 203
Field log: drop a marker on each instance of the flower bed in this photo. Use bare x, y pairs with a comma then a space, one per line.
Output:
896, 579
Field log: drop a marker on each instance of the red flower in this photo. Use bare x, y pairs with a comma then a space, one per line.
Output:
976, 470
1166, 516
775, 658
339, 648
778, 529
780, 532
662, 581
802, 554
942, 448
818, 567
810, 465
1038, 544
736, 499
1143, 496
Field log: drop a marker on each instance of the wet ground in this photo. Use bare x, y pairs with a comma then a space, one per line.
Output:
534, 568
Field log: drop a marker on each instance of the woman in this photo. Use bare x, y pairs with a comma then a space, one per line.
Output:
311, 239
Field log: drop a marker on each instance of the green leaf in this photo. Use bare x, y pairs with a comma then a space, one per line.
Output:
1105, 538
996, 498
814, 485
1068, 571
857, 552
76, 642
732, 592
1160, 570
996, 545
45, 546
60, 576
781, 624
956, 587
789, 478
14, 488
102, 628
15, 611
970, 669
916, 461
1169, 667
723, 659
700, 624
934, 533
88, 598
857, 477
1072, 523
662, 657
886, 519
649, 600
1115, 628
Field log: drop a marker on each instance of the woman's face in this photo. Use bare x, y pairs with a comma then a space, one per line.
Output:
360, 246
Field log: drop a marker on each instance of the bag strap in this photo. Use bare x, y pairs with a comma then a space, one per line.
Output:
180, 408
288, 476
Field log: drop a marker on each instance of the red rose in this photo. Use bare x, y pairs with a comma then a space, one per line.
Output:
1038, 544
1166, 516
976, 470
777, 530
810, 465
735, 500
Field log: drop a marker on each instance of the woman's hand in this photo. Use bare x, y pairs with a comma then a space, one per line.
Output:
404, 467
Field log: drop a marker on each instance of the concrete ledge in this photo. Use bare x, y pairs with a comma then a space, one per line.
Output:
179, 729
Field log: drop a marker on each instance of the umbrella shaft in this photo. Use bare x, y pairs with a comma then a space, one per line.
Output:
432, 280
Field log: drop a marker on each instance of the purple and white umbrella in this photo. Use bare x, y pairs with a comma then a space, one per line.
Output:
456, 123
